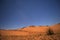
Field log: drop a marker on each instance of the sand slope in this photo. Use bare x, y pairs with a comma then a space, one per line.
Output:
32, 33
55, 28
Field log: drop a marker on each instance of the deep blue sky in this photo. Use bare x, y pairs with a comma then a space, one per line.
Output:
20, 13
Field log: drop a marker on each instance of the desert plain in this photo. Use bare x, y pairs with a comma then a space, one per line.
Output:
32, 32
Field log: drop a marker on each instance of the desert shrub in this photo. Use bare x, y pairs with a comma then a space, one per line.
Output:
58, 23
47, 25
32, 26
50, 32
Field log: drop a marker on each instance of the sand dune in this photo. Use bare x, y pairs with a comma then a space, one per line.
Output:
31, 29
36, 29
55, 28
32, 33
25, 31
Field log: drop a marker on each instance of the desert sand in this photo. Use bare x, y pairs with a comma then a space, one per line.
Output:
32, 33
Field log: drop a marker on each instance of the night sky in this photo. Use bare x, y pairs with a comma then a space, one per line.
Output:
21, 13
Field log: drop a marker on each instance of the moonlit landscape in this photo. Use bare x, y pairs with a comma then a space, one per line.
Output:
30, 20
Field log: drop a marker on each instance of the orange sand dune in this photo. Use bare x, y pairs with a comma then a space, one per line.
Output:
36, 29
31, 29
56, 28
32, 33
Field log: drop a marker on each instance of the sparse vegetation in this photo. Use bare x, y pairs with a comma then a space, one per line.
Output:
47, 25
46, 34
23, 27
32, 26
50, 32
58, 23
